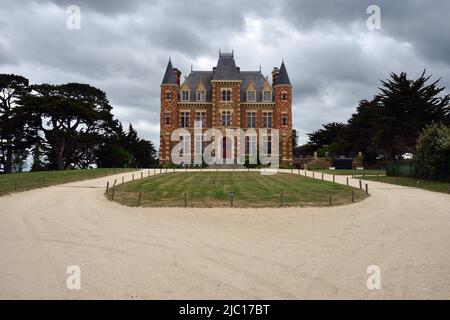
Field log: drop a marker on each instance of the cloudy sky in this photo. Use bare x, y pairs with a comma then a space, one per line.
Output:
122, 47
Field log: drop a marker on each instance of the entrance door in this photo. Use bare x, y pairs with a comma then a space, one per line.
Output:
226, 148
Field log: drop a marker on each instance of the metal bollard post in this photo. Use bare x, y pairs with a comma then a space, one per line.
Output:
112, 194
281, 199
107, 186
360, 184
185, 200
347, 181
334, 178
367, 189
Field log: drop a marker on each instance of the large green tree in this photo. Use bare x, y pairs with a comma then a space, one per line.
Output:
405, 107
15, 135
71, 116
433, 152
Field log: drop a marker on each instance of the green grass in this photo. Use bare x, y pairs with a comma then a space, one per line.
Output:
15, 182
211, 189
431, 185
345, 172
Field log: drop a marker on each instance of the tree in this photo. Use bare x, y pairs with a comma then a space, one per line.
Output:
294, 138
433, 152
126, 149
360, 131
405, 107
14, 133
331, 133
67, 115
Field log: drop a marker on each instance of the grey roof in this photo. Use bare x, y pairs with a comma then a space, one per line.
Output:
226, 68
169, 76
283, 77
193, 80
195, 77
258, 81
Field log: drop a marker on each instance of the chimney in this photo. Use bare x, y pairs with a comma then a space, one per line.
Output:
238, 69
275, 73
177, 75
214, 69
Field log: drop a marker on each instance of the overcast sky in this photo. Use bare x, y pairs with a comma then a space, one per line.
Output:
122, 47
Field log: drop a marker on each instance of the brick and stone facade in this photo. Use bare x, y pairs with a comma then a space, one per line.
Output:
226, 97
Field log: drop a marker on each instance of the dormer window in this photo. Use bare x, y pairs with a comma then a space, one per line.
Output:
251, 96
201, 95
267, 96
226, 94
185, 95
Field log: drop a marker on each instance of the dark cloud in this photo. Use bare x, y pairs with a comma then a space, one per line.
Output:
122, 47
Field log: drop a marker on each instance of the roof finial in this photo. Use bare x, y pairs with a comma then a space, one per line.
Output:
232, 52
260, 67
191, 67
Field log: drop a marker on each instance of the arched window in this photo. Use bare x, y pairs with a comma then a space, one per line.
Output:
226, 118
226, 94
167, 118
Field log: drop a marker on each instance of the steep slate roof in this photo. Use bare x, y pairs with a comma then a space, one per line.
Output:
226, 68
283, 77
194, 79
258, 81
169, 76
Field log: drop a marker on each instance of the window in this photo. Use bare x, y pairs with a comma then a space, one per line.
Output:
185, 119
185, 95
226, 95
267, 119
251, 96
226, 118
267, 96
167, 118
168, 95
251, 116
284, 119
198, 144
250, 145
200, 119
284, 96
184, 142
201, 96
267, 145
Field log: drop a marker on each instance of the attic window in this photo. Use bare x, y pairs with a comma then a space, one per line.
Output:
251, 96
185, 95
201, 95
267, 96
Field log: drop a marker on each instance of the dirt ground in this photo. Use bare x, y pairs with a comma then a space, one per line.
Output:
178, 253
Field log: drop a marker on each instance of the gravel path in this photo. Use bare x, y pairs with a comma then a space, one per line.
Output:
286, 253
